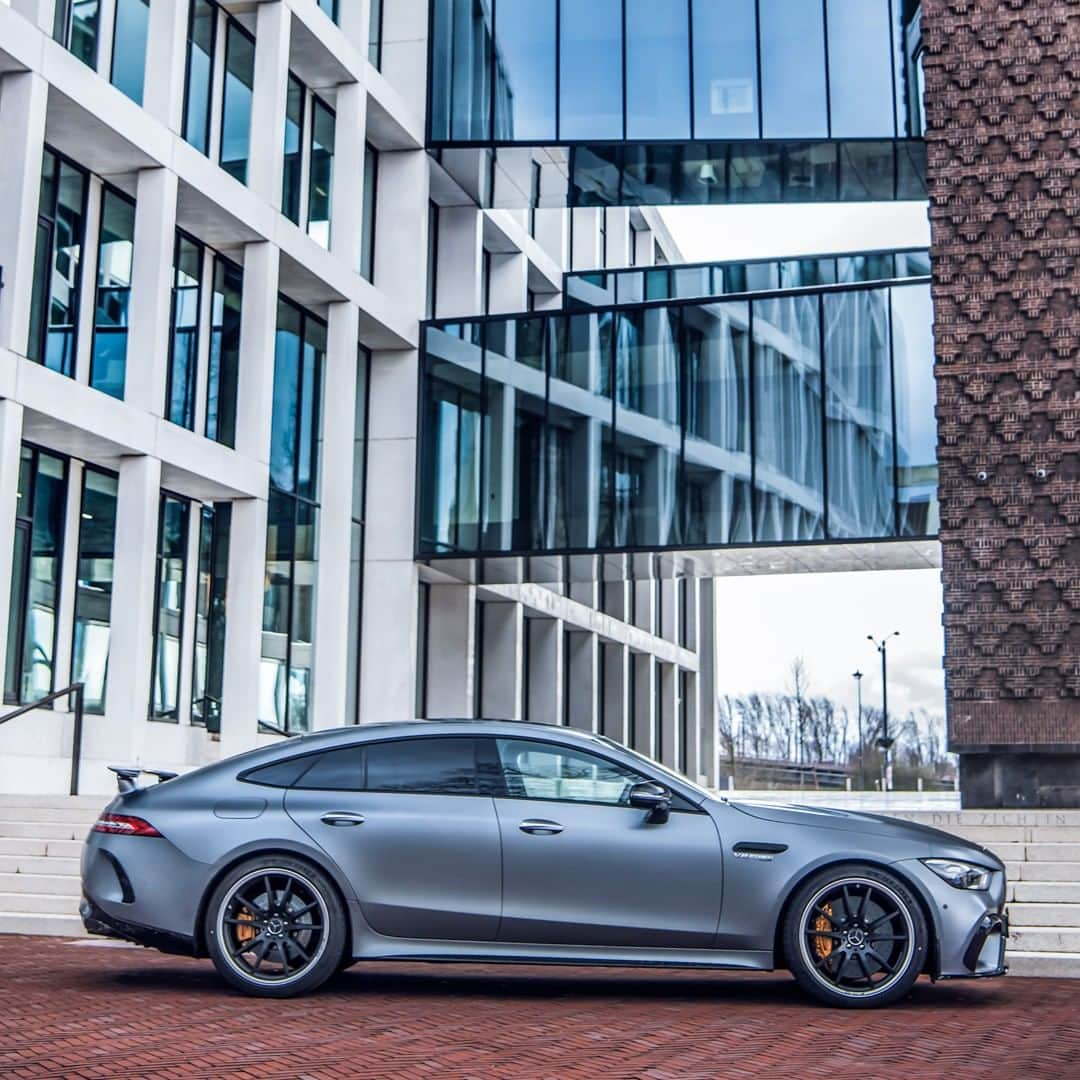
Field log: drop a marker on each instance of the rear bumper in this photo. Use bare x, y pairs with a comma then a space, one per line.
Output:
99, 922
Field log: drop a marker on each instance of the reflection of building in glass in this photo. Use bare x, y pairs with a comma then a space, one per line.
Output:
768, 419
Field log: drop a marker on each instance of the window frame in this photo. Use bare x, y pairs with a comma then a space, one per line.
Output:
208, 120
110, 191
112, 59
174, 716
180, 236
232, 24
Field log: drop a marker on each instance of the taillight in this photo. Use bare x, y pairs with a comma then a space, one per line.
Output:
124, 825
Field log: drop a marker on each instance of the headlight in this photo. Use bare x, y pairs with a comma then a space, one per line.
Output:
961, 875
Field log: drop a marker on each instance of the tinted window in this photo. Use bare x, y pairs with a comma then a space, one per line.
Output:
281, 773
337, 770
536, 770
429, 766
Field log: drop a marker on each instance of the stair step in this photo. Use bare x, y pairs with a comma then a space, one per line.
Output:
68, 849
28, 922
39, 903
1056, 852
1028, 915
44, 830
1054, 939
62, 815
1045, 892
1047, 871
1045, 965
79, 802
30, 864
55, 884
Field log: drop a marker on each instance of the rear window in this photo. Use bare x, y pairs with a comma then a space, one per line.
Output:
281, 773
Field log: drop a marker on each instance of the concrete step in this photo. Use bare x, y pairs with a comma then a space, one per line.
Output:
54, 884
44, 830
30, 864
1045, 965
69, 849
1052, 939
988, 837
86, 802
59, 814
1062, 834
1044, 892
1027, 915
29, 922
1055, 852
40, 903
1047, 871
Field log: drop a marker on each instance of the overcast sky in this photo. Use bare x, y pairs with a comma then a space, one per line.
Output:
764, 622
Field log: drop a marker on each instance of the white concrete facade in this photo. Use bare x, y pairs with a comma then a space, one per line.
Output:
632, 660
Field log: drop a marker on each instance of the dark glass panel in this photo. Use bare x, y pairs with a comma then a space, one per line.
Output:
367, 233
129, 47
169, 623
209, 668
294, 149
285, 423
336, 770
908, 68
277, 592
725, 70
590, 73
200, 73
187, 296
858, 414
789, 471
236, 101
461, 72
321, 172
428, 766
717, 469
793, 69
657, 70
75, 26
224, 360
525, 70
310, 420
116, 245
93, 587
916, 401
810, 173
867, 171
375, 22
860, 69
302, 617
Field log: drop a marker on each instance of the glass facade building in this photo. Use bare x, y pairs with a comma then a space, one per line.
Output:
779, 417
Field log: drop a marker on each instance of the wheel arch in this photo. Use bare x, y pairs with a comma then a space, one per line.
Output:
930, 965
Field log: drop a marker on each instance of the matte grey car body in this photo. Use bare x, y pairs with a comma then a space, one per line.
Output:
524, 868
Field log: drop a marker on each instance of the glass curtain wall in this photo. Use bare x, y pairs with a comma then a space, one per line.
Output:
75, 26
129, 47
188, 261
356, 543
294, 149
375, 25
320, 171
767, 419
35, 576
199, 81
236, 100
116, 244
94, 585
224, 356
293, 519
61, 238
173, 520
371, 194
208, 669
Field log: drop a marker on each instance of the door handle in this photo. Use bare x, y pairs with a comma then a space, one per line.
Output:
540, 827
341, 818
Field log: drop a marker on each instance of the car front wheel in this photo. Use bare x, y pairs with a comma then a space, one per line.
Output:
275, 927
855, 937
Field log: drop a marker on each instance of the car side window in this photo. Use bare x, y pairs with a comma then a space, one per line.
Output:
537, 770
423, 766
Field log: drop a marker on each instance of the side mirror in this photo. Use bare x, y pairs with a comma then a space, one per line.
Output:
653, 797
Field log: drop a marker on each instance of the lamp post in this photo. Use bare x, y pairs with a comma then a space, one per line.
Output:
857, 676
885, 742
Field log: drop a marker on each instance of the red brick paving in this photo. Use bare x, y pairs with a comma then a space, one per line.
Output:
83, 1013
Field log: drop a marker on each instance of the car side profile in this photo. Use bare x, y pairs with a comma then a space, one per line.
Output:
506, 841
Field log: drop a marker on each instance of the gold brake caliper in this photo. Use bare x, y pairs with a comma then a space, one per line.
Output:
823, 946
244, 934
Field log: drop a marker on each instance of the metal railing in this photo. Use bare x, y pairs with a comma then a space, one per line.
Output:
74, 691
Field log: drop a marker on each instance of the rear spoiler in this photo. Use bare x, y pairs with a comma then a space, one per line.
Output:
127, 775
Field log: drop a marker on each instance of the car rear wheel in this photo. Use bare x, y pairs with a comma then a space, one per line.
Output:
275, 927
855, 937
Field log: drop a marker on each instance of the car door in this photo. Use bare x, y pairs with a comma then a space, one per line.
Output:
582, 867
405, 821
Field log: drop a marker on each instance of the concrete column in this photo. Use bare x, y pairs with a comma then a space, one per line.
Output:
105, 28
39, 12
691, 703
11, 425
347, 198
273, 27
509, 283
582, 654
644, 247
546, 661
401, 200
335, 531
618, 237
644, 718
166, 60
451, 635
243, 626
23, 100
127, 696
708, 659
404, 50
151, 290
616, 675
586, 239
668, 751
503, 638
258, 325
461, 247
354, 22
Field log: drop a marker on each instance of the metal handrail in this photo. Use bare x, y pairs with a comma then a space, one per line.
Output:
75, 690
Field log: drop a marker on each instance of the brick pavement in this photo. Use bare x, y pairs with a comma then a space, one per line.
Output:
82, 1012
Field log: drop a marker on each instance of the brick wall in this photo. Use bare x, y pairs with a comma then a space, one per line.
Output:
1003, 104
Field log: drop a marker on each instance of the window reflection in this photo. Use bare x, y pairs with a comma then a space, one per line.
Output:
169, 618
590, 72
320, 172
294, 149
208, 669
725, 70
224, 360
115, 251
202, 37
75, 26
525, 63
184, 358
657, 70
129, 47
236, 100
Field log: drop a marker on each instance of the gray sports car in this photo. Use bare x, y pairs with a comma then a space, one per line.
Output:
492, 841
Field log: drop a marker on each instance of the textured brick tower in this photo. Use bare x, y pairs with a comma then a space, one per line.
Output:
1003, 105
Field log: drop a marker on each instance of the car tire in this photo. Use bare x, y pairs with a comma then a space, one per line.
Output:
276, 927
855, 936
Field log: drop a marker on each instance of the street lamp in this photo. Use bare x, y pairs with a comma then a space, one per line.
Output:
885, 742
857, 676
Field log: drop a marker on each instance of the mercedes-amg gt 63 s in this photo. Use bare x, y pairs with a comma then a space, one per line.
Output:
502, 841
